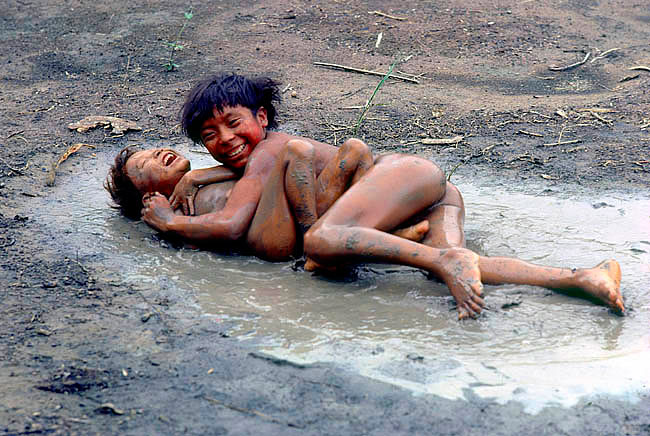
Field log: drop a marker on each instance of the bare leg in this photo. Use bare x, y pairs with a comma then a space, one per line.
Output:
356, 227
601, 282
446, 220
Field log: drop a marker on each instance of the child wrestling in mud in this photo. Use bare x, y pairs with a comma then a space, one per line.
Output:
231, 115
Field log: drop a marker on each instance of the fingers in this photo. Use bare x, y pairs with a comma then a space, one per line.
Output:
190, 207
149, 195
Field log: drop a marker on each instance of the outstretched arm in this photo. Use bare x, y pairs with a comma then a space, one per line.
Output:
188, 186
228, 224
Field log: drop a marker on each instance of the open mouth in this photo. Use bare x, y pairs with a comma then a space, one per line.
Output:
168, 159
236, 151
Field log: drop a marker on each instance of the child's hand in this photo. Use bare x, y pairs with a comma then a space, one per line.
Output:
157, 211
183, 195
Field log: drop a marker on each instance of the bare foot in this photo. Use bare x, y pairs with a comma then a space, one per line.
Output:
603, 282
460, 271
416, 232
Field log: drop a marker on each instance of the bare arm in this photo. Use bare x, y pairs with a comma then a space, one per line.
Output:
228, 224
186, 189
231, 222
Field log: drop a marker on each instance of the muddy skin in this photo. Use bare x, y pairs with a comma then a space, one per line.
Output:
603, 282
479, 80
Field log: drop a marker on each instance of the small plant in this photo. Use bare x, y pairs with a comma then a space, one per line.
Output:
372, 97
176, 45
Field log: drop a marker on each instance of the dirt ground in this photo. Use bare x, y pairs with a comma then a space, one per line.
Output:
82, 354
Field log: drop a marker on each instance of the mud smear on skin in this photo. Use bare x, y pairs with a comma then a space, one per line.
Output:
392, 323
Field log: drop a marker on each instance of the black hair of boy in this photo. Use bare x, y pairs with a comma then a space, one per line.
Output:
227, 90
125, 195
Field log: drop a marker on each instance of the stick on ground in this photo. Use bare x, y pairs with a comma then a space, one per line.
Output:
568, 67
362, 71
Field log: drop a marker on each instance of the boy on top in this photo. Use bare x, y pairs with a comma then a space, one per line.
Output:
230, 116
140, 173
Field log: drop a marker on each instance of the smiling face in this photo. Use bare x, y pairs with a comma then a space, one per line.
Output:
156, 170
231, 135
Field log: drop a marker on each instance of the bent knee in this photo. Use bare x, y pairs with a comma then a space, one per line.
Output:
299, 148
316, 243
357, 146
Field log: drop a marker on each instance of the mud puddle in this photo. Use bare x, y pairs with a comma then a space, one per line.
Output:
392, 323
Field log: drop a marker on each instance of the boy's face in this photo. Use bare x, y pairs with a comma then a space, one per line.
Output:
232, 134
157, 170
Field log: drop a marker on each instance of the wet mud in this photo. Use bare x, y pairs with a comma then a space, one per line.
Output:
84, 350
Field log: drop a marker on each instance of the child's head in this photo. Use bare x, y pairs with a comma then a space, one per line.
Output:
136, 172
227, 90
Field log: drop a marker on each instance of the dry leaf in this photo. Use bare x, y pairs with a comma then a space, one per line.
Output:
119, 125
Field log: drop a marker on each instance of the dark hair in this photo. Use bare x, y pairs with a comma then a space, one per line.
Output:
223, 90
125, 195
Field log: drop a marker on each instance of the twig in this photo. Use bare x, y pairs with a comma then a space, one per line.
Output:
541, 115
600, 110
600, 118
523, 132
568, 67
640, 67
604, 54
488, 148
382, 14
505, 123
442, 141
573, 141
626, 78
14, 134
559, 139
20, 137
362, 71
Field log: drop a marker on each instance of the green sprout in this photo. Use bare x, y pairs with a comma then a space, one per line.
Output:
372, 97
176, 45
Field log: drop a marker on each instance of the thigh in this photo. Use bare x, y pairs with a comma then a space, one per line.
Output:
395, 189
446, 221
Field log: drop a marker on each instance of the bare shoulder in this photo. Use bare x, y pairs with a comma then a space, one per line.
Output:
265, 154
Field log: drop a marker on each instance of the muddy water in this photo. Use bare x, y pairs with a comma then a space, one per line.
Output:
392, 323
